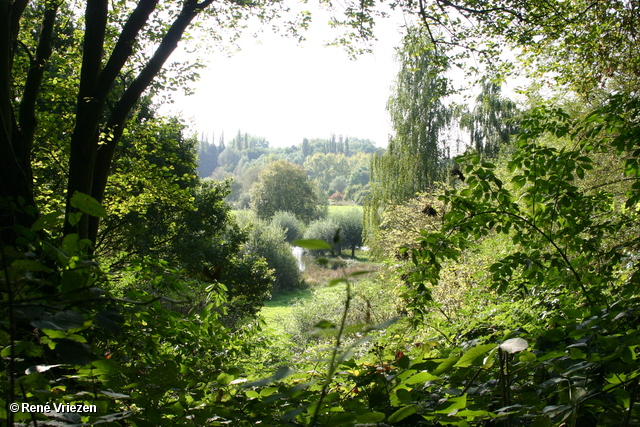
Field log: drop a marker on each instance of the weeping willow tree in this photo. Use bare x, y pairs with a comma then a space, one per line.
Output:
417, 156
491, 122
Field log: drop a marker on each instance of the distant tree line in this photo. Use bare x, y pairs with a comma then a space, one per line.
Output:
338, 165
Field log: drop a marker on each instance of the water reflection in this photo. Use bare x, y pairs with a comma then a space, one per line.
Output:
302, 259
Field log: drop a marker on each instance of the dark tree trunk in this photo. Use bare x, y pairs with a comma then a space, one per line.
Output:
17, 206
90, 159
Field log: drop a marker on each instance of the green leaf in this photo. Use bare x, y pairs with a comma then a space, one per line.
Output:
28, 265
268, 391
110, 320
452, 404
312, 244
88, 205
403, 395
71, 280
404, 362
289, 415
360, 273
74, 217
471, 355
335, 282
252, 394
402, 413
445, 365
70, 243
107, 366
421, 378
48, 221
281, 373
115, 395
370, 418
224, 378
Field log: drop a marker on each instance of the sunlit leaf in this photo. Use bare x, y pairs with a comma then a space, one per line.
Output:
40, 368
514, 345
87, 204
471, 355
402, 413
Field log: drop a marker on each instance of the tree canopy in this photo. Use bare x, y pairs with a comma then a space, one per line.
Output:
510, 292
284, 186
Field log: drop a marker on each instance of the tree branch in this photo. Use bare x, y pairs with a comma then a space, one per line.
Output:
115, 124
84, 141
124, 47
27, 112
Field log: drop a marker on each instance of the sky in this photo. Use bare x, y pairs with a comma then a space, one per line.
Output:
285, 91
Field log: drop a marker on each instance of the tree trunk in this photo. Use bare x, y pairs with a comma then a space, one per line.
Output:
90, 158
17, 207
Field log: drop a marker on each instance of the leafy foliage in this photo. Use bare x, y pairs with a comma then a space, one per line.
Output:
269, 241
283, 186
416, 157
351, 228
289, 223
519, 280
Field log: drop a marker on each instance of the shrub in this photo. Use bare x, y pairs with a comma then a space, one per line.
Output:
371, 304
289, 223
336, 197
323, 229
350, 223
269, 242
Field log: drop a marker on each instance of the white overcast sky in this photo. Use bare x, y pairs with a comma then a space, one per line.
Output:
285, 91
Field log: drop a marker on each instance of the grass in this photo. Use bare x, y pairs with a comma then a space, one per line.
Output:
317, 275
276, 310
342, 208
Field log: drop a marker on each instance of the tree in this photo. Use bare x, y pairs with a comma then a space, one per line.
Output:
324, 168
269, 242
492, 121
207, 158
112, 78
289, 223
305, 148
284, 186
338, 184
229, 158
350, 223
416, 157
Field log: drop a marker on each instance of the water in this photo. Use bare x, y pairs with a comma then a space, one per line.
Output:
302, 259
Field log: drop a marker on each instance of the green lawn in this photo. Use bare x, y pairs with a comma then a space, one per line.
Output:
276, 309
342, 208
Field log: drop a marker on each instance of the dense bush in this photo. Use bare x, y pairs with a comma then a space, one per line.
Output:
289, 223
268, 241
351, 227
372, 304
323, 229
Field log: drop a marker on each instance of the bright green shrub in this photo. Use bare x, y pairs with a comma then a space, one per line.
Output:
372, 304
